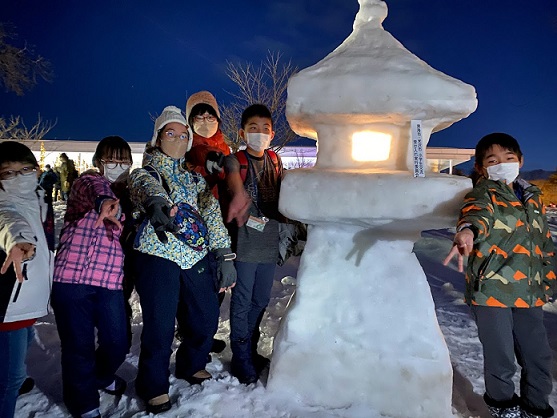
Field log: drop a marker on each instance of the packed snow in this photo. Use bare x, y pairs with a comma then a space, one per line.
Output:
365, 335
358, 265
224, 397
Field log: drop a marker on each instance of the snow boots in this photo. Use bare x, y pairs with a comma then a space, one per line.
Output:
512, 412
242, 363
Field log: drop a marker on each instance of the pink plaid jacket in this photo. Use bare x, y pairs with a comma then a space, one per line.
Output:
88, 255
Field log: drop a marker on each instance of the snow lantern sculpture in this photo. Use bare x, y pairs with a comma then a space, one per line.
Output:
361, 333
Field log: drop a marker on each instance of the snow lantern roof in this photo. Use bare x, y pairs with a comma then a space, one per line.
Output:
372, 78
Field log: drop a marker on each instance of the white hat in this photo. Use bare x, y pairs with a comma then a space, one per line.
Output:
202, 97
171, 114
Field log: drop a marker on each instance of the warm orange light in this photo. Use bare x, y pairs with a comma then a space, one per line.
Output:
370, 146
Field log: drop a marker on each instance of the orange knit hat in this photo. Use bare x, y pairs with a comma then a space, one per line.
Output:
202, 97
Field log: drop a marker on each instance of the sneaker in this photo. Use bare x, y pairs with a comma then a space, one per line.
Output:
512, 412
116, 388
92, 414
27, 386
245, 374
540, 413
529, 415
198, 378
158, 404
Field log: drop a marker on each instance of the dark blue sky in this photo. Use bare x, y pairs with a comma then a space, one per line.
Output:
117, 62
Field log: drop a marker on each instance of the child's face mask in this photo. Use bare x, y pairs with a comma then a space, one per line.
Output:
506, 172
175, 140
258, 141
21, 186
112, 173
205, 126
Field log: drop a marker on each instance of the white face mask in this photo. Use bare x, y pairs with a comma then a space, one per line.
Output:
506, 172
112, 174
21, 186
257, 141
205, 129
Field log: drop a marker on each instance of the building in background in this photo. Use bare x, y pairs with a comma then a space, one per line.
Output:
81, 152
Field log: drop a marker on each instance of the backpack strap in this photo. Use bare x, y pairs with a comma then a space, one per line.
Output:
243, 160
153, 171
274, 159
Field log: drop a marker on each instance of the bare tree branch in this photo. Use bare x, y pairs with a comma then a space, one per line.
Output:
14, 128
7, 126
266, 84
20, 67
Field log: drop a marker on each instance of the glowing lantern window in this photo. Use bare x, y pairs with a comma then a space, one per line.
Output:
370, 146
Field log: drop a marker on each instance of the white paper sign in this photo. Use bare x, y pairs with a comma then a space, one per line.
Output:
418, 148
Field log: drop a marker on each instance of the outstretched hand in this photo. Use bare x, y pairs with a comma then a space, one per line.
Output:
239, 208
109, 211
463, 243
21, 252
161, 216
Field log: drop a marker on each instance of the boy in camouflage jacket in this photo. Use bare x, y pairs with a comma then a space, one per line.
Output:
503, 231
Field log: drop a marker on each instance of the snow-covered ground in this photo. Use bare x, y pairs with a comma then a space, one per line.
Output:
224, 397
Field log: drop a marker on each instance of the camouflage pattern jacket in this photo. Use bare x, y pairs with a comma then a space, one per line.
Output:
511, 262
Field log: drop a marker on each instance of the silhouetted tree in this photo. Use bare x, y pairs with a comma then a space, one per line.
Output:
20, 67
266, 84
19, 70
15, 128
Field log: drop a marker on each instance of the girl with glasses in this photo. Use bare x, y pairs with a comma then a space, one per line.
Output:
208, 145
87, 293
25, 260
182, 258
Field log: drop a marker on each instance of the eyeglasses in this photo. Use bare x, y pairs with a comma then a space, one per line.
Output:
124, 165
173, 136
10, 174
207, 117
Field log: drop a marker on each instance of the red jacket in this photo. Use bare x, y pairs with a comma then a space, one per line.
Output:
198, 154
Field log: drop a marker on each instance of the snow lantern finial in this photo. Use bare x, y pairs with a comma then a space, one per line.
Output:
372, 84
372, 12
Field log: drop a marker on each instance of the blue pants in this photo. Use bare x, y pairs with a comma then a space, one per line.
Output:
78, 310
161, 285
13, 350
250, 298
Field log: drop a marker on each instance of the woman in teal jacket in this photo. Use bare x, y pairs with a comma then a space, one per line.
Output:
180, 242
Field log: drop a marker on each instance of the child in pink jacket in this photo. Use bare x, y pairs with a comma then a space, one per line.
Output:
87, 291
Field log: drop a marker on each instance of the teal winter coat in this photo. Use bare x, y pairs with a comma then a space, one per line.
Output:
184, 186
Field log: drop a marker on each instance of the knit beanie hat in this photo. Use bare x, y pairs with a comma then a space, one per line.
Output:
171, 114
202, 97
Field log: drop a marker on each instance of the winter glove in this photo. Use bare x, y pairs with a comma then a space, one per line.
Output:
226, 272
214, 162
158, 212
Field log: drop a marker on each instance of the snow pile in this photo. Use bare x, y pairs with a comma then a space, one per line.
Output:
224, 397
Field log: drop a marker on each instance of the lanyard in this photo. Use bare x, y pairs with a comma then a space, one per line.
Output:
255, 181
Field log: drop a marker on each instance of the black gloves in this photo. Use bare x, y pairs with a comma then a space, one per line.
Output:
158, 212
226, 272
214, 162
